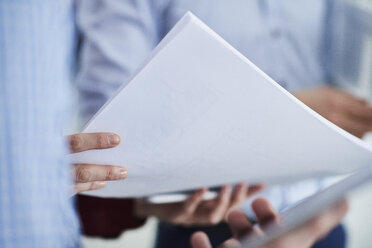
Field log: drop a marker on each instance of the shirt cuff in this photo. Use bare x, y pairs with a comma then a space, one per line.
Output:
106, 217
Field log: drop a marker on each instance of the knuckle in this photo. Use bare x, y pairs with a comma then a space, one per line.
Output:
187, 211
83, 175
334, 118
110, 174
338, 103
224, 202
102, 140
93, 186
76, 142
332, 103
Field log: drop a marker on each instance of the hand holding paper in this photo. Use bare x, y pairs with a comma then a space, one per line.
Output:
343, 109
91, 176
304, 236
196, 211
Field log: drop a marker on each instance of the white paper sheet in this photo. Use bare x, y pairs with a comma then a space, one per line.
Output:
198, 113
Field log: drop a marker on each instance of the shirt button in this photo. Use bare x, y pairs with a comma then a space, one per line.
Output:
276, 33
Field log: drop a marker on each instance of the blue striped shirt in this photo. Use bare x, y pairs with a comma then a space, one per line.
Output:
36, 42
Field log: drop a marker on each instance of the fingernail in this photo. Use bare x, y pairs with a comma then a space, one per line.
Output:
123, 173
101, 184
113, 139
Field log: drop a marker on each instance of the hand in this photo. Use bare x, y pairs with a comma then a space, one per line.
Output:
302, 237
196, 211
90, 176
348, 112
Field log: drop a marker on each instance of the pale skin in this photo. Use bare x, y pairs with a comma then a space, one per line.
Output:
343, 109
91, 176
304, 236
193, 211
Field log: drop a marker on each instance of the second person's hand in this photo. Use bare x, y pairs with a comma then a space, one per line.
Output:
340, 107
195, 210
303, 236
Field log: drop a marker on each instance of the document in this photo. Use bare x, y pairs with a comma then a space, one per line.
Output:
198, 113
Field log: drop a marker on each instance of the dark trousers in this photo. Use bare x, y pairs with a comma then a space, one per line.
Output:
170, 236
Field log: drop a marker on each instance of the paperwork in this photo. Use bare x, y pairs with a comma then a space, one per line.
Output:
198, 113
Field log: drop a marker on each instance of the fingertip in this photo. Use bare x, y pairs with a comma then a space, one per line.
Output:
199, 235
204, 190
225, 192
234, 214
240, 194
200, 240
99, 185
196, 197
260, 203
238, 222
263, 210
113, 139
228, 188
241, 187
123, 173
259, 186
244, 187
200, 192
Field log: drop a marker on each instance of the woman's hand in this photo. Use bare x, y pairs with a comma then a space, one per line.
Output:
195, 210
91, 176
302, 237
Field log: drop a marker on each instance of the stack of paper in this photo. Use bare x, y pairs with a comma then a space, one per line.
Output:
198, 113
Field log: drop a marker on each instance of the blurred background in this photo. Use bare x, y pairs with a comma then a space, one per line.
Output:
351, 70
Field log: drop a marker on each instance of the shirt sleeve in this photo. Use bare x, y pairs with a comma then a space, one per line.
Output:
116, 37
106, 217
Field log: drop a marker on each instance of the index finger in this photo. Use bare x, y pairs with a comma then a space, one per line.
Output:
264, 211
90, 141
193, 201
239, 223
200, 240
221, 204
